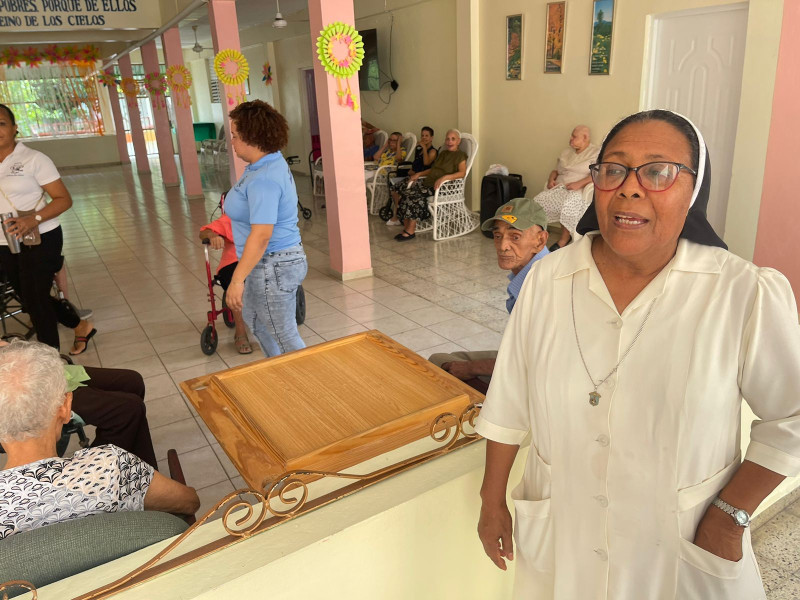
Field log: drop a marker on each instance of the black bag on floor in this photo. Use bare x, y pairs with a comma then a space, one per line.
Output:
496, 190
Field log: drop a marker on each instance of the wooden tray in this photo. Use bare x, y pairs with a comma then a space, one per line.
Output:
325, 408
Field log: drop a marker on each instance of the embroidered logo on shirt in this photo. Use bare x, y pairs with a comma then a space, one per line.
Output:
17, 169
510, 218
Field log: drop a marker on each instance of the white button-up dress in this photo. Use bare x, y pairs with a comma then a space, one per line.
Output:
612, 494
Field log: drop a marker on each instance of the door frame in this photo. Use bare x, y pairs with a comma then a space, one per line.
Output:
651, 42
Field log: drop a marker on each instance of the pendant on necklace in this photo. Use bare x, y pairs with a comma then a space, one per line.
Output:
594, 398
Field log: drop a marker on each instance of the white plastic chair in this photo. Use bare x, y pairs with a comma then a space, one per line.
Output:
378, 185
450, 216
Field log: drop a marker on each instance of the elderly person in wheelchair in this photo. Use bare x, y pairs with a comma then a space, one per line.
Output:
450, 164
37, 487
563, 200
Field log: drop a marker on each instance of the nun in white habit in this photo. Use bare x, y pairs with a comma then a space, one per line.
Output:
635, 486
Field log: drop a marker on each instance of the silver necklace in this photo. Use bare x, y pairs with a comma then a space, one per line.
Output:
594, 396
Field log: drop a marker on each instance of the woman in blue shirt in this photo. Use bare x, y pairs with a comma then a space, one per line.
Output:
263, 210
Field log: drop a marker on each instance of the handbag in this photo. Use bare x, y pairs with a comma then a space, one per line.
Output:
33, 237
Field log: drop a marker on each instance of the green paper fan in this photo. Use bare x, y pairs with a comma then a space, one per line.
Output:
340, 32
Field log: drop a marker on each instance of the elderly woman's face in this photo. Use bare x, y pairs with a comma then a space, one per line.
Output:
634, 221
452, 141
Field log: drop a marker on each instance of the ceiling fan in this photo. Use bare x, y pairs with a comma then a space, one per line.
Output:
279, 22
197, 47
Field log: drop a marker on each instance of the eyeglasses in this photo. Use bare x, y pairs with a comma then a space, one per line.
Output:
653, 176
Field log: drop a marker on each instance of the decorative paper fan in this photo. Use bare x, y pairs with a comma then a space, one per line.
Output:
156, 85
180, 80
130, 89
340, 50
266, 70
107, 79
232, 70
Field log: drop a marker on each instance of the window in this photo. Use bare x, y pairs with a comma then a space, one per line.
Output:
52, 100
214, 85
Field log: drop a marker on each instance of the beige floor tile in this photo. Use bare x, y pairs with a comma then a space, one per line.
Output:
369, 312
446, 348
211, 495
198, 370
166, 410
331, 322
772, 574
779, 541
406, 304
388, 292
367, 283
176, 341
459, 328
226, 462
391, 325
353, 300
344, 332
115, 324
117, 355
482, 341
790, 590
183, 436
159, 386
200, 467
147, 367
417, 339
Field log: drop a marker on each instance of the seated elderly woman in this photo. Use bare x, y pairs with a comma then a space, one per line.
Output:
391, 154
450, 164
37, 487
563, 199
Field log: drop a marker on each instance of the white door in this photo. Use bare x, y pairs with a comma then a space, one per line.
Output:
696, 62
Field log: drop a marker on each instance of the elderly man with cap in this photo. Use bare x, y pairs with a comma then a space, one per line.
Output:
520, 238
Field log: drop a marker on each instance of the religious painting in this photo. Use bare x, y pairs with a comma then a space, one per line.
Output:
602, 31
554, 37
514, 47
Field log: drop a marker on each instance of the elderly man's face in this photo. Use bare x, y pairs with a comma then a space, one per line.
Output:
516, 248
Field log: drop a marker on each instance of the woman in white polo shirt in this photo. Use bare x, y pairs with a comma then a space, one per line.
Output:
27, 177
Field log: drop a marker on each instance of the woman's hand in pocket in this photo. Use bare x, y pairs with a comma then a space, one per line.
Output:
718, 534
495, 530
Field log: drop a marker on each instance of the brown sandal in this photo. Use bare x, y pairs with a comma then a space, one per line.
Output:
242, 344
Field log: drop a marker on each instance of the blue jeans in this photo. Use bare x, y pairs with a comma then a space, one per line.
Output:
270, 300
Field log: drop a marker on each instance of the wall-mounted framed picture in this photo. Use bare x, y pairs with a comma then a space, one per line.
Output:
602, 37
554, 37
514, 27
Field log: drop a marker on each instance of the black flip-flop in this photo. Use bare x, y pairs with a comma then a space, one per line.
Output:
402, 238
80, 339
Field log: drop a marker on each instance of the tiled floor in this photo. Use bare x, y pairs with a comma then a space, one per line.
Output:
134, 257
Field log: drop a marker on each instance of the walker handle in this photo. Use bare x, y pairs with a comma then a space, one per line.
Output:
206, 241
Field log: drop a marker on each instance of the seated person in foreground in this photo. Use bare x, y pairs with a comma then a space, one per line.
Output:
520, 238
220, 236
450, 164
36, 486
391, 154
424, 155
563, 198
111, 400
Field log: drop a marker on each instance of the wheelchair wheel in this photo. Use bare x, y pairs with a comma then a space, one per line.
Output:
300, 309
306, 213
227, 314
385, 213
208, 340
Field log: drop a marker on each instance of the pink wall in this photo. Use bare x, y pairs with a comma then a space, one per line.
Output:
119, 125
135, 117
777, 239
166, 152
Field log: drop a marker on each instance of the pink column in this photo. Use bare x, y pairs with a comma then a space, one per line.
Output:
171, 43
777, 242
225, 34
119, 125
166, 153
139, 147
340, 129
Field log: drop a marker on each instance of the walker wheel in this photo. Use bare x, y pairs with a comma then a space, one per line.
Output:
385, 213
227, 314
208, 340
300, 309
306, 213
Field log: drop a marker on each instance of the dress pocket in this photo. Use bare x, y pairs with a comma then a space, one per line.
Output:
533, 524
702, 574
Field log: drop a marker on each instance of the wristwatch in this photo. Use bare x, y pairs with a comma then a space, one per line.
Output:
740, 516
38, 217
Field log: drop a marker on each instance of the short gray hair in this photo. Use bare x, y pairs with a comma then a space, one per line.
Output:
32, 387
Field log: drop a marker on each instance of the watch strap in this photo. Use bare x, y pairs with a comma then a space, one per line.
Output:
731, 510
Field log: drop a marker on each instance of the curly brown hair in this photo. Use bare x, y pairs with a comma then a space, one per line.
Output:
260, 125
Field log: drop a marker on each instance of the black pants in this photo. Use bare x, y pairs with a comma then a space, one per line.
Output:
113, 401
31, 274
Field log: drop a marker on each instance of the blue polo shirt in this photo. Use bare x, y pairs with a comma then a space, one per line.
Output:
265, 195
517, 280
